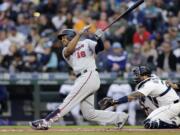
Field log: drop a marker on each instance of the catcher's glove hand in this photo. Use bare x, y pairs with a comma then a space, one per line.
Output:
106, 102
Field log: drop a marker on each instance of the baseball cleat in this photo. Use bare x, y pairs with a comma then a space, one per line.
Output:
41, 124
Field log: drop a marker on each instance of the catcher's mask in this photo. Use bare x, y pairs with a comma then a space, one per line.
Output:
69, 33
140, 71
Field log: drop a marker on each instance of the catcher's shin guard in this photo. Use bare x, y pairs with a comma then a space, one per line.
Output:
159, 124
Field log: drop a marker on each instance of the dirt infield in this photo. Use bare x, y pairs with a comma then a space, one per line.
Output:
88, 130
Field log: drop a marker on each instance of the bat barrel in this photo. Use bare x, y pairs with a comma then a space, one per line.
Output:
125, 13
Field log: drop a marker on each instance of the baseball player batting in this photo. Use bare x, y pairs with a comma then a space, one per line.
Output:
79, 54
166, 102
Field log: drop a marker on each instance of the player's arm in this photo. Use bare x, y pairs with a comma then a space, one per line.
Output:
72, 44
133, 96
100, 46
107, 102
175, 86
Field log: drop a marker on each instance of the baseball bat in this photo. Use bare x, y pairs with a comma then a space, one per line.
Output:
124, 14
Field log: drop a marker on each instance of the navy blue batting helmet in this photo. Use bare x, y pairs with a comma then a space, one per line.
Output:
70, 33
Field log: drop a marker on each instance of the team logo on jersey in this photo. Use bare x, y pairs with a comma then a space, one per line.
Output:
78, 48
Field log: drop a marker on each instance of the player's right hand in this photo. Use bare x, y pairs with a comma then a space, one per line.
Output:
99, 33
106, 102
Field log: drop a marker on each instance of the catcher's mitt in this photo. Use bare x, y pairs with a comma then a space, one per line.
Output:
106, 102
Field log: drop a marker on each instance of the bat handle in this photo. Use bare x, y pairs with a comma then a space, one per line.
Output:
104, 29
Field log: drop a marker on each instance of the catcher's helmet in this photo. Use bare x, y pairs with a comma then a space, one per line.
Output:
70, 33
140, 71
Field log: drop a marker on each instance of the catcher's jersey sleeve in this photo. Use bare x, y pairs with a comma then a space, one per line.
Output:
158, 90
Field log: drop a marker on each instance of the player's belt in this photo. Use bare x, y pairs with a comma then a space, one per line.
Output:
84, 71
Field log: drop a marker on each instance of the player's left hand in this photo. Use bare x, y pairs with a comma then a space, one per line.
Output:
99, 33
85, 29
106, 102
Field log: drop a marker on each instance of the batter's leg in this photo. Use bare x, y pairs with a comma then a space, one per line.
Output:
88, 111
83, 87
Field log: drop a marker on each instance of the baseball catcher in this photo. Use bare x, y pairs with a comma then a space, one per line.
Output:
160, 98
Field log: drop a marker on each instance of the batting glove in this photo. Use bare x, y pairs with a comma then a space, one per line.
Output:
99, 33
106, 102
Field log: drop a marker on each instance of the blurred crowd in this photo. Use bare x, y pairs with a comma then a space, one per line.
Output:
150, 35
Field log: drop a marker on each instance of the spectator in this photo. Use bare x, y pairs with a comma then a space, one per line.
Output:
48, 7
173, 34
49, 58
166, 61
116, 60
81, 21
102, 22
137, 58
44, 23
105, 7
176, 52
8, 60
141, 35
116, 32
150, 53
152, 16
59, 19
84, 19
34, 36
101, 57
16, 37
69, 23
4, 43
23, 24
29, 58
136, 17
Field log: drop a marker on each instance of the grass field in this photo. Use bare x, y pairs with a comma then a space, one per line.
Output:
86, 130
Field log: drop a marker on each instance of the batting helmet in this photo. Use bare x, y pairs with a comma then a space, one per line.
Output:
140, 71
70, 33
